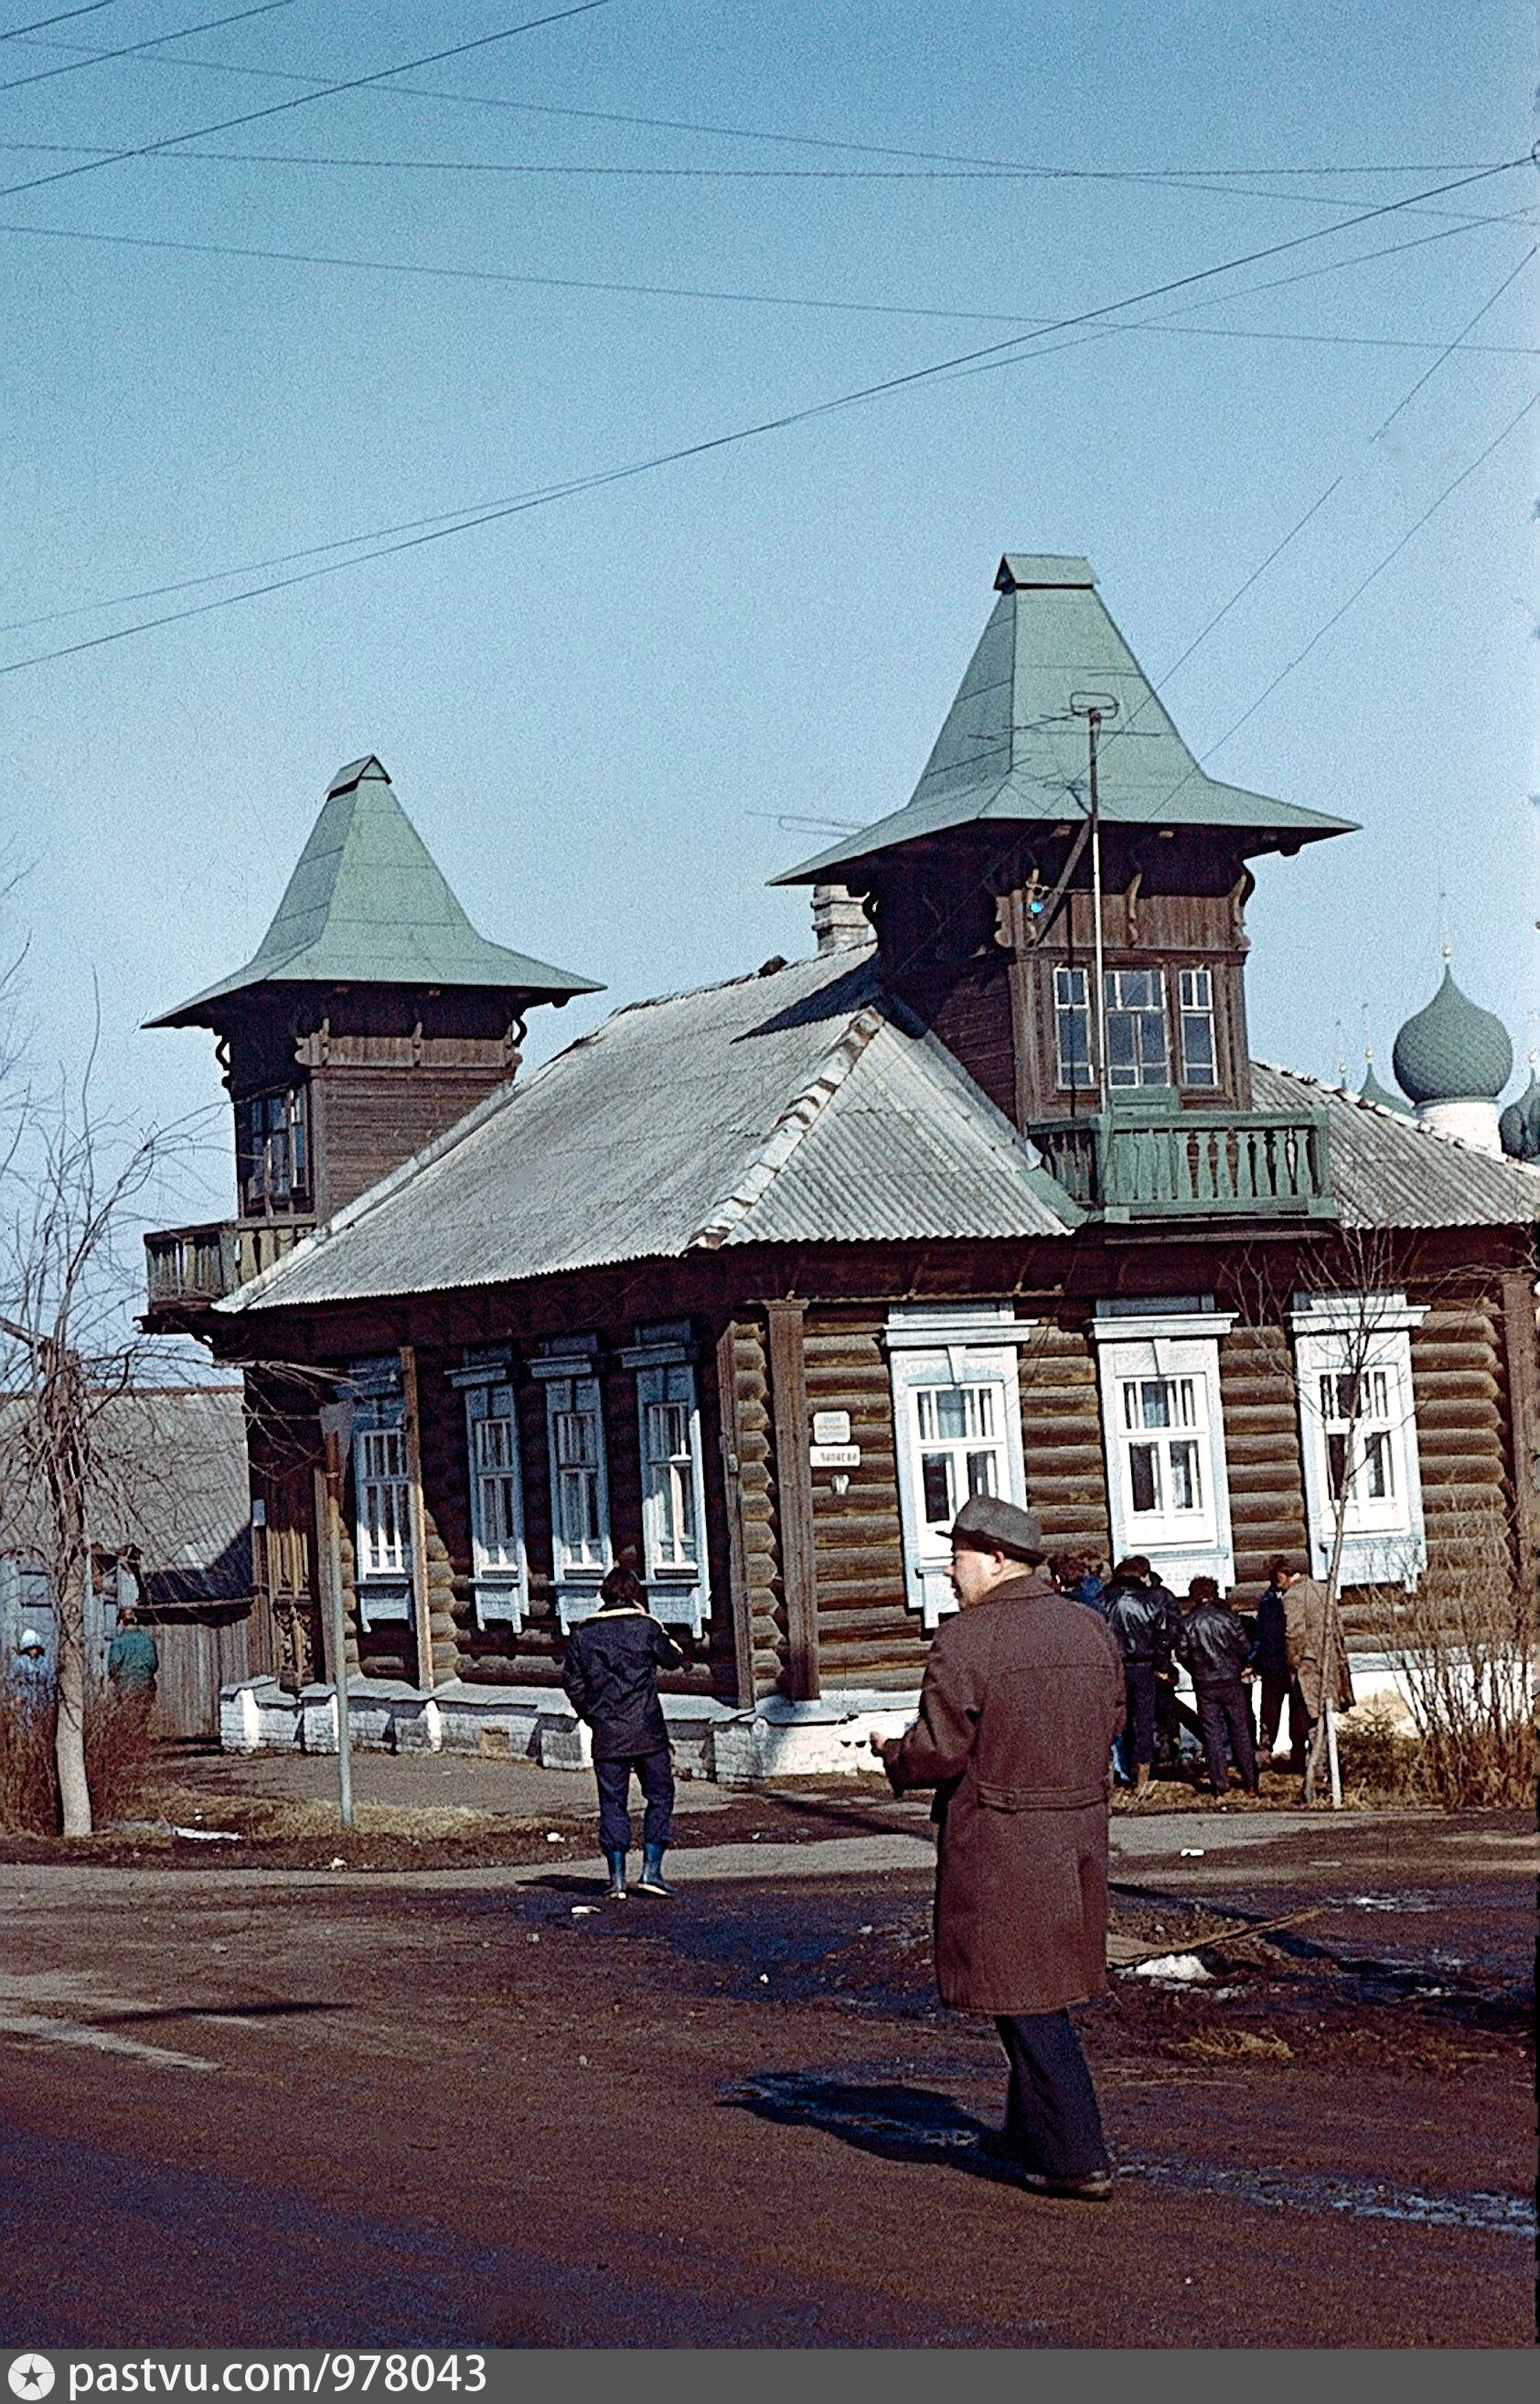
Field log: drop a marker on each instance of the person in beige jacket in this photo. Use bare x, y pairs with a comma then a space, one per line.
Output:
1305, 1613
1021, 1699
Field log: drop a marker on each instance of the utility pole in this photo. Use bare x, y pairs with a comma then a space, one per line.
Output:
1093, 708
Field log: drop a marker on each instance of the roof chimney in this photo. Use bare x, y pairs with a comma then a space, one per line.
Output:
840, 921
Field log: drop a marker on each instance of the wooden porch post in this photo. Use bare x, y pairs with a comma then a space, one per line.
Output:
422, 1626
794, 1494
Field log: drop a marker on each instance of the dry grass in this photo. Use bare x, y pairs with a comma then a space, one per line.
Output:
281, 1821
120, 1761
1236, 2045
1465, 1645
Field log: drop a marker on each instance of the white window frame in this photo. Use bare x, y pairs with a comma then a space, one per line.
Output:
572, 1384
663, 1358
1070, 1010
1139, 1340
957, 1345
383, 1593
1155, 1012
1382, 1544
499, 1563
1195, 1000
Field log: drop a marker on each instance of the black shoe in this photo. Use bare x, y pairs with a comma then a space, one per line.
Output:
1082, 2187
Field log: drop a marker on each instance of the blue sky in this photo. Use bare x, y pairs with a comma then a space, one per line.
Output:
598, 712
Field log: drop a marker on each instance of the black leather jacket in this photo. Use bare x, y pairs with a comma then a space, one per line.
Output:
1143, 1620
1215, 1642
611, 1676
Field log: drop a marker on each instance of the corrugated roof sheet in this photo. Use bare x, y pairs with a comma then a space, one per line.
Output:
169, 1479
1012, 749
368, 905
778, 1109
1389, 1171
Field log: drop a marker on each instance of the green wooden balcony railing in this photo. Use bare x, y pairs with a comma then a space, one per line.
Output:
190, 1266
1192, 1163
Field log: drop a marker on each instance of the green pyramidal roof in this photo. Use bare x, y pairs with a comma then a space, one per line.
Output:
367, 905
1013, 748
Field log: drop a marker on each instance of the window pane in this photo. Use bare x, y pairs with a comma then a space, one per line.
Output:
1144, 1476
951, 1412
1337, 1463
981, 1472
1186, 1492
1156, 1396
1375, 1477
1072, 1028
933, 1468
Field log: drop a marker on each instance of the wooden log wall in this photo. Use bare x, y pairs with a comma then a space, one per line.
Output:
1460, 1376
365, 1121
1261, 1411
868, 1635
766, 1605
1061, 1440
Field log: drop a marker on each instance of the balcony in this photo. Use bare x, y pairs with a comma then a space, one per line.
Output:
1159, 1164
189, 1267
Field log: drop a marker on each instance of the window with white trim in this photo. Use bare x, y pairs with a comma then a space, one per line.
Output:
673, 1495
382, 1491
1135, 1011
1163, 1423
1072, 1030
1195, 1019
957, 1428
579, 1481
498, 1567
1358, 1436
1163, 1433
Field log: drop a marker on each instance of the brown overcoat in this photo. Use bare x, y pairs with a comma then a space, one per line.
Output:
1305, 1638
1021, 1699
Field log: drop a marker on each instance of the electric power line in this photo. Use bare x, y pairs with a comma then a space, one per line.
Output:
1005, 353
1395, 552
1471, 323
302, 100
778, 300
212, 25
64, 16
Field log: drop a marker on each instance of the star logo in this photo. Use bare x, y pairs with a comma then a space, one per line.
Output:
30, 2375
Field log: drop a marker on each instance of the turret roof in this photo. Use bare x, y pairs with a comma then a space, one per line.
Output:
1014, 749
368, 905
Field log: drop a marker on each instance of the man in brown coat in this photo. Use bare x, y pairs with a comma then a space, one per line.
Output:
1021, 1699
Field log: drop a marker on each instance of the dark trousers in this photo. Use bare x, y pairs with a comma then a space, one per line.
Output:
655, 1776
1226, 1711
1139, 1696
1275, 1692
1052, 2124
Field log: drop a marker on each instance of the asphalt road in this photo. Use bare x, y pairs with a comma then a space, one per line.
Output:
244, 2108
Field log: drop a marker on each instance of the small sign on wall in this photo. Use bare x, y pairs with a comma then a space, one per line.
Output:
835, 1456
830, 1427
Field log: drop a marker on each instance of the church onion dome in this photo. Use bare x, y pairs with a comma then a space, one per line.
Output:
1371, 1090
1520, 1125
1453, 1051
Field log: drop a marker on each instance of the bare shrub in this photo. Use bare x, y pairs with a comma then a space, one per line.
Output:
1380, 1762
119, 1760
1465, 1644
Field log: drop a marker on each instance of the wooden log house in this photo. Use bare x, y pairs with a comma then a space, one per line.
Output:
988, 1193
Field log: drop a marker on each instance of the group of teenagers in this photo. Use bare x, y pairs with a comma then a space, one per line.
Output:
1281, 1648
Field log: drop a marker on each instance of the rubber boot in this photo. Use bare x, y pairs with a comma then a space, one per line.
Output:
652, 1880
615, 1890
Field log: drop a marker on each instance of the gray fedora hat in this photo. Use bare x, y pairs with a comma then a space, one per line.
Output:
986, 1521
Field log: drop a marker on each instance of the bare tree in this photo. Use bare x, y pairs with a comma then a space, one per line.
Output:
69, 1275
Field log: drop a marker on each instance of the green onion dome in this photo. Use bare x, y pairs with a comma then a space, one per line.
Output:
1519, 1125
1371, 1090
1453, 1051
